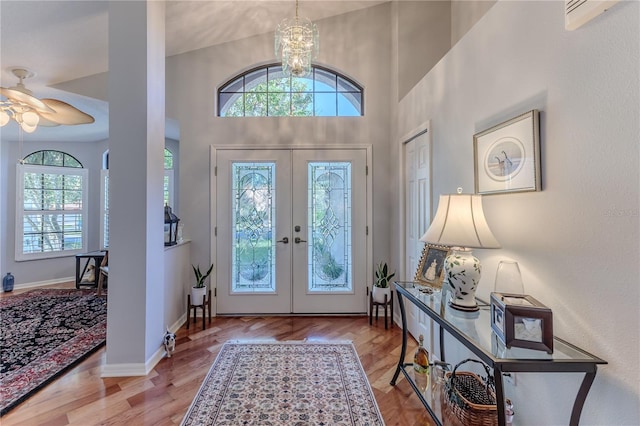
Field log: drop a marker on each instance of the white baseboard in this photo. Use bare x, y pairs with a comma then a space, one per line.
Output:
132, 370
179, 323
43, 283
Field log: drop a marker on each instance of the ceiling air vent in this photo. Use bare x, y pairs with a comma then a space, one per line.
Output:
579, 12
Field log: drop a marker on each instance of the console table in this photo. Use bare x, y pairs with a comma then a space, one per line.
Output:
477, 336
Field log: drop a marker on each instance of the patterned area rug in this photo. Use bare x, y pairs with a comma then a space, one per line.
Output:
285, 383
43, 333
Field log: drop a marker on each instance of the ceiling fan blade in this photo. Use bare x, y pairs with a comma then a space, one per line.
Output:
63, 113
47, 123
18, 96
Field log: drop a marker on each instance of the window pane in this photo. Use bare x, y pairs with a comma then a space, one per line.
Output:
253, 247
325, 80
255, 79
35, 158
346, 86
349, 104
235, 86
329, 210
69, 161
231, 105
279, 104
53, 158
301, 85
325, 104
278, 82
168, 159
256, 104
302, 104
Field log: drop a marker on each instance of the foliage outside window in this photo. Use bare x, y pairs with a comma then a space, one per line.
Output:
267, 92
51, 206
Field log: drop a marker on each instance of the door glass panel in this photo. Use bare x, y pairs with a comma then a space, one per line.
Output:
329, 227
253, 247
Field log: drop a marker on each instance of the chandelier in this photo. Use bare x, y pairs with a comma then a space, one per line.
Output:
29, 111
296, 45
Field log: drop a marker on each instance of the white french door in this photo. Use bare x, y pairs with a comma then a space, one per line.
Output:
291, 231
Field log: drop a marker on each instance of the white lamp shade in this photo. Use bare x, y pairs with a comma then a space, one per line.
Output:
460, 222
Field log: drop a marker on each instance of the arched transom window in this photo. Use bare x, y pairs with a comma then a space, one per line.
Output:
267, 92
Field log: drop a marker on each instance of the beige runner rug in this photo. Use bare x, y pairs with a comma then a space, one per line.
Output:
285, 383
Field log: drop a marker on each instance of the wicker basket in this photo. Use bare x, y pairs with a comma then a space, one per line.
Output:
470, 397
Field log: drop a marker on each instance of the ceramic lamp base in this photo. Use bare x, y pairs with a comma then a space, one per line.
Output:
462, 270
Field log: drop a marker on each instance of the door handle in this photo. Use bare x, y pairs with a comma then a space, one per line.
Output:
285, 240
298, 240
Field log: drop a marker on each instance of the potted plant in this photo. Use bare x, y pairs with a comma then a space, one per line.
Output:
381, 286
199, 289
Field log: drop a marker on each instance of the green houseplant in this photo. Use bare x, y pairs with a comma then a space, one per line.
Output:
381, 286
199, 289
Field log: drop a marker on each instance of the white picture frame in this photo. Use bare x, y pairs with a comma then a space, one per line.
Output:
507, 156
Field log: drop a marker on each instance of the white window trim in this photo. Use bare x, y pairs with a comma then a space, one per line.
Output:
104, 211
21, 169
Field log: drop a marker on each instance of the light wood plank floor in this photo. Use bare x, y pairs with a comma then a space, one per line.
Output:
81, 397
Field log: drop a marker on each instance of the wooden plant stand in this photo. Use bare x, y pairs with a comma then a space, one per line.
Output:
205, 306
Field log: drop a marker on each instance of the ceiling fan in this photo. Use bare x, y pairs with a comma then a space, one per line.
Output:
30, 112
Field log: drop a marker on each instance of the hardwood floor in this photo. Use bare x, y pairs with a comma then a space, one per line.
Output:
81, 397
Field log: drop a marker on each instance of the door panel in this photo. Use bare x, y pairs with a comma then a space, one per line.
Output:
253, 259
329, 218
291, 231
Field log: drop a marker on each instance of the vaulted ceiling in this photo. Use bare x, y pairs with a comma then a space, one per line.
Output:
66, 40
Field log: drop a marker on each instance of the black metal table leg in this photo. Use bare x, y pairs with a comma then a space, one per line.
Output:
582, 396
497, 377
404, 340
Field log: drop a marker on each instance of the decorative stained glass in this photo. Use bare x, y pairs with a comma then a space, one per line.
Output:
329, 227
253, 248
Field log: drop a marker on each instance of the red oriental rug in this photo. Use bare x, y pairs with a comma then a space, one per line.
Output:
42, 334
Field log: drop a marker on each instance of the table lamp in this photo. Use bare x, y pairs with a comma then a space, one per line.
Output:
460, 223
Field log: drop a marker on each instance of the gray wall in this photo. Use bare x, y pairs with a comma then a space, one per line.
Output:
90, 155
357, 44
464, 15
423, 39
577, 239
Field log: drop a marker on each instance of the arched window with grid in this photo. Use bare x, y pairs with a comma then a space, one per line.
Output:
267, 92
51, 218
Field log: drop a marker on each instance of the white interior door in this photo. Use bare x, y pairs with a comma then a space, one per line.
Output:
417, 217
291, 231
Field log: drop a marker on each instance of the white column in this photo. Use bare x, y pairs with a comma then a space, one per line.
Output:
136, 142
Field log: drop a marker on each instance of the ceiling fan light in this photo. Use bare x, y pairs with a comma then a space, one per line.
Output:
27, 128
4, 118
31, 119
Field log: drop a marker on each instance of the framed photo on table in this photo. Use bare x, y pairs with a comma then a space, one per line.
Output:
431, 266
519, 320
507, 156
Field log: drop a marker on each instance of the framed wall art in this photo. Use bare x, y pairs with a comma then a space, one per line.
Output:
430, 268
507, 156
